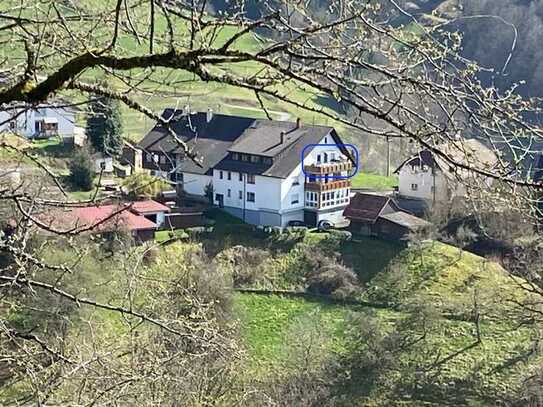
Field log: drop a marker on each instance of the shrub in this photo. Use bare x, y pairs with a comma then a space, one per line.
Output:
327, 276
246, 263
297, 230
142, 185
82, 170
209, 192
333, 279
341, 235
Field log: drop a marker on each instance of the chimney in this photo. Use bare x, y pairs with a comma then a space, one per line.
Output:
282, 139
209, 115
298, 123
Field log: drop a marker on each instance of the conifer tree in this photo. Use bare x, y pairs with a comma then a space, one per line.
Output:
104, 126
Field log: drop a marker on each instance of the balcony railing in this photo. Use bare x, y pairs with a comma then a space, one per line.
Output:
329, 186
328, 168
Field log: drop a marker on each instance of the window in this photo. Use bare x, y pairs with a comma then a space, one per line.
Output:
220, 174
250, 196
102, 165
148, 157
12, 125
244, 157
294, 199
250, 179
177, 177
228, 193
235, 156
162, 159
267, 160
414, 187
240, 195
255, 159
318, 158
326, 140
240, 178
229, 176
295, 181
332, 156
312, 178
325, 157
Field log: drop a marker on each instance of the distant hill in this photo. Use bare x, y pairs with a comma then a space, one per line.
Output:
487, 26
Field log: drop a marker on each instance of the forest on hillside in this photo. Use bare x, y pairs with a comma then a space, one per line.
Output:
501, 35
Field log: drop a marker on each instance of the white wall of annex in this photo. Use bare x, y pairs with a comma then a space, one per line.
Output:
425, 180
195, 184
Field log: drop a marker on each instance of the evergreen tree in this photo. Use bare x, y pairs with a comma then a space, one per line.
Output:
82, 170
104, 126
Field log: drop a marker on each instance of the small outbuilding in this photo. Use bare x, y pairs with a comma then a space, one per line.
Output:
152, 210
140, 219
381, 216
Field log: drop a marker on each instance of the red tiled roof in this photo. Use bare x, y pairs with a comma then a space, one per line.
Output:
92, 215
148, 206
365, 207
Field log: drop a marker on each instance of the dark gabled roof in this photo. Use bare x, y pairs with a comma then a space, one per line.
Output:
223, 134
242, 166
263, 137
405, 220
211, 140
367, 207
464, 151
287, 159
424, 157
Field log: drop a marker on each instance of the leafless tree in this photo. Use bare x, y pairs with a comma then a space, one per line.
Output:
394, 83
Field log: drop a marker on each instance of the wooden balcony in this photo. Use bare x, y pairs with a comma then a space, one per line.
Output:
329, 186
328, 168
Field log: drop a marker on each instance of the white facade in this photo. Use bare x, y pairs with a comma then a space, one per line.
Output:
430, 184
275, 201
195, 184
30, 121
103, 164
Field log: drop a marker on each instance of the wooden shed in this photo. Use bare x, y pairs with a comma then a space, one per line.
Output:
381, 216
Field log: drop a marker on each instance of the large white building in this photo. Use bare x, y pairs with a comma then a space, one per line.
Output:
255, 167
433, 179
42, 121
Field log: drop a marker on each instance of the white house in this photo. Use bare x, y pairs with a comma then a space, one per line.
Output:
42, 121
103, 163
255, 166
433, 179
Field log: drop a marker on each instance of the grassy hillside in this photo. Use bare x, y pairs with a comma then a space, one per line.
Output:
374, 181
449, 279
428, 329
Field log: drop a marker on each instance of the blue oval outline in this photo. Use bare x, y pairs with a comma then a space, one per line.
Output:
338, 145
